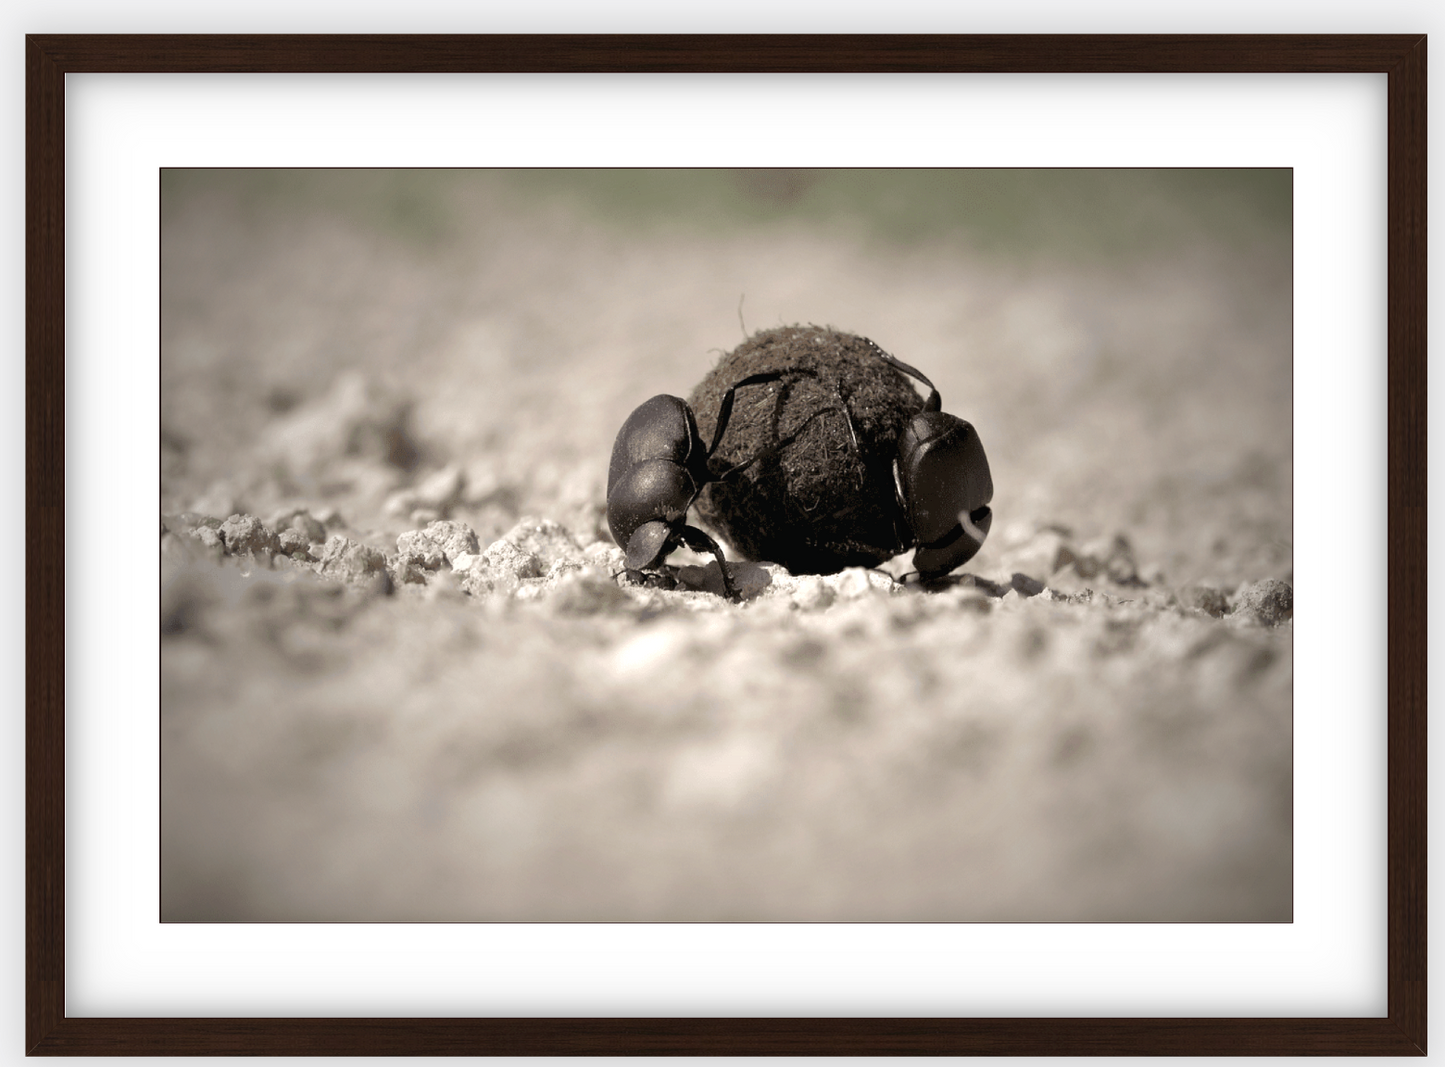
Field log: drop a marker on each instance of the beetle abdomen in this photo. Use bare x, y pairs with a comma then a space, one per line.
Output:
655, 489
660, 428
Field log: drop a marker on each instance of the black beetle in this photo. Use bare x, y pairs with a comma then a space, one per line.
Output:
658, 468
943, 483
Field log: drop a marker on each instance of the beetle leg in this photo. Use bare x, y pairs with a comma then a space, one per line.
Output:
725, 409
934, 401
698, 541
772, 450
648, 579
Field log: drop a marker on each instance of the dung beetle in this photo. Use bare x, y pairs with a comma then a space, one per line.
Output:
658, 468
943, 483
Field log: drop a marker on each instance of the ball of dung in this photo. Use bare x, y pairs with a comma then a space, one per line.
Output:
817, 492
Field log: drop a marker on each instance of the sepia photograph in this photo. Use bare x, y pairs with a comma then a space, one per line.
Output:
786, 545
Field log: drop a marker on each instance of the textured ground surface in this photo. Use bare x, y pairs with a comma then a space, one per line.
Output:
399, 682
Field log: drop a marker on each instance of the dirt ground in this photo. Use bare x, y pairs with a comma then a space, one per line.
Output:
399, 680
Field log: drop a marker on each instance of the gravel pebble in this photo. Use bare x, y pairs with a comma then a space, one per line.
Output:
1026, 586
244, 534
811, 593
1268, 603
501, 568
209, 537
1205, 598
854, 583
350, 561
298, 519
544, 539
441, 542
295, 544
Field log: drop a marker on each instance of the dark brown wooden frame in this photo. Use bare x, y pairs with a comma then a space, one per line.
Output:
50, 58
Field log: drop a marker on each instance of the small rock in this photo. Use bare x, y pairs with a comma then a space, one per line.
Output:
208, 537
504, 555
548, 541
1268, 603
441, 542
1026, 586
1205, 598
414, 548
406, 571
811, 593
501, 568
855, 582
351, 561
456, 538
749, 579
296, 544
298, 519
246, 534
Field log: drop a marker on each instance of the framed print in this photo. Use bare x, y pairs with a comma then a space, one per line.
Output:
465, 746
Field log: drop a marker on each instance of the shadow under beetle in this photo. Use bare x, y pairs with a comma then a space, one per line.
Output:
658, 468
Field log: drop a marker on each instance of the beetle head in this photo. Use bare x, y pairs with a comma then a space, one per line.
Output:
945, 485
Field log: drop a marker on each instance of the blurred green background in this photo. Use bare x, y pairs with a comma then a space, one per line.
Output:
1067, 213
